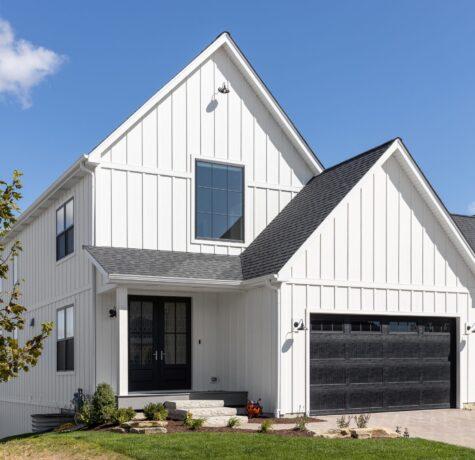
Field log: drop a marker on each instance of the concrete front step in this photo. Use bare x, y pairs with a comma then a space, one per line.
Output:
202, 412
221, 421
193, 404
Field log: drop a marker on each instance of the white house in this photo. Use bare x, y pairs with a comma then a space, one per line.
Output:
202, 251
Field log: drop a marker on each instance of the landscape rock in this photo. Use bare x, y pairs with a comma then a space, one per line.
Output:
119, 429
359, 433
150, 430
145, 424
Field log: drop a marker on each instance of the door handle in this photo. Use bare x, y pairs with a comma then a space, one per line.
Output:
162, 355
155, 355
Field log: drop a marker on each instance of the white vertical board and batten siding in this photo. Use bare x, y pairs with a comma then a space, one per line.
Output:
146, 177
382, 251
234, 339
46, 285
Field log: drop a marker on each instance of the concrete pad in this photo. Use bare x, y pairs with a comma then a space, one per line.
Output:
452, 426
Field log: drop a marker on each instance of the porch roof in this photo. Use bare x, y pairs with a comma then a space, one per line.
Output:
170, 264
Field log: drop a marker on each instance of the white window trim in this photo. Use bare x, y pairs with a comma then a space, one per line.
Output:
217, 241
69, 256
64, 308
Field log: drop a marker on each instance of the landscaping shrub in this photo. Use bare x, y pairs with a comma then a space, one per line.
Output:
84, 414
233, 422
266, 425
193, 423
301, 423
103, 404
155, 411
362, 420
123, 415
343, 422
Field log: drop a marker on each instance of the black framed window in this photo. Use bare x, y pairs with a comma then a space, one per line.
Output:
65, 339
219, 201
65, 230
366, 326
402, 326
437, 326
319, 325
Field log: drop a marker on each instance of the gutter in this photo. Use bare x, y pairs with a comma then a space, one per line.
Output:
43, 200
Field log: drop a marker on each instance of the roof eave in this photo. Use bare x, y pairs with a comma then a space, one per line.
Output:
63, 183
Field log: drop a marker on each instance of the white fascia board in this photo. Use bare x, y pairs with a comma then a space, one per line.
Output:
74, 171
121, 279
224, 40
390, 150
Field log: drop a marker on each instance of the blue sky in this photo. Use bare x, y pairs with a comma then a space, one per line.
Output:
350, 74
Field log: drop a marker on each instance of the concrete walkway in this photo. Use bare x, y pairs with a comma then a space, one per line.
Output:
452, 426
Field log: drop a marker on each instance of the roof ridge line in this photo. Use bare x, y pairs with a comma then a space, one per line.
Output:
367, 152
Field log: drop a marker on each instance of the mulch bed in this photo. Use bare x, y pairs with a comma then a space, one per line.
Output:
279, 421
178, 427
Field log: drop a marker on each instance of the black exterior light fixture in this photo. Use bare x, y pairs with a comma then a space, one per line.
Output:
223, 89
32, 322
299, 325
113, 312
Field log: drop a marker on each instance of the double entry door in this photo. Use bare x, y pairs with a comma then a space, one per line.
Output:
159, 343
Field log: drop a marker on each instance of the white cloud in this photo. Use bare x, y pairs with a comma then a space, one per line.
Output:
471, 208
23, 65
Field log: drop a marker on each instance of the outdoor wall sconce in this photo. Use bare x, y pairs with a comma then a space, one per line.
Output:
113, 312
32, 322
299, 326
223, 89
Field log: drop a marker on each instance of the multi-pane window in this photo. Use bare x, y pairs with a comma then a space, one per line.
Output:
318, 325
219, 201
65, 230
366, 326
65, 339
402, 326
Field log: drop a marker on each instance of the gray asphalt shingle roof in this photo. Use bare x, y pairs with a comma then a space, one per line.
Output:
147, 262
466, 224
276, 244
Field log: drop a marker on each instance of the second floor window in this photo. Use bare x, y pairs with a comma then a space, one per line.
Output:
65, 230
219, 201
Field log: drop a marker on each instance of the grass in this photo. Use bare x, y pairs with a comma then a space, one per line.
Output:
196, 445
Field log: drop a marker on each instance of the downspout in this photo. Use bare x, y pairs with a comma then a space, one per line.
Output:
83, 167
275, 286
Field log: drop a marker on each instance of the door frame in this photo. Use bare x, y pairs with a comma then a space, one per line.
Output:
157, 330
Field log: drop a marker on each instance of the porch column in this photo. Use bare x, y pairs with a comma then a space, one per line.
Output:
123, 340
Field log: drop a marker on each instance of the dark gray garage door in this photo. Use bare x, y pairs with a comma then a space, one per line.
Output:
370, 363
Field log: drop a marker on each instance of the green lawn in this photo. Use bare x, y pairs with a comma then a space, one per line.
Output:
105, 445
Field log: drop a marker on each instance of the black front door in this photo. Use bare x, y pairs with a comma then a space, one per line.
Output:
159, 343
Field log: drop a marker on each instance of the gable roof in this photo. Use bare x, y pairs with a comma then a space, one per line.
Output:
466, 224
165, 264
277, 243
224, 41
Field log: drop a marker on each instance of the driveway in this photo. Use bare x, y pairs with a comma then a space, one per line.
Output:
453, 426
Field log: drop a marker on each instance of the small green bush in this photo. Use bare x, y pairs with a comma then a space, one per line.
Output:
155, 411
123, 415
301, 424
233, 422
103, 404
193, 423
343, 422
84, 414
266, 425
362, 420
